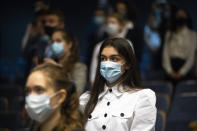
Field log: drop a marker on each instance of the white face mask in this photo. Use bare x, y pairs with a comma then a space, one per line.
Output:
112, 29
38, 107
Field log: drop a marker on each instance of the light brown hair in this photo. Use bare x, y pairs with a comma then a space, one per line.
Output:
71, 116
69, 63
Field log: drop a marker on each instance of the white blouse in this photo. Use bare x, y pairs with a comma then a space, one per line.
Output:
122, 111
182, 45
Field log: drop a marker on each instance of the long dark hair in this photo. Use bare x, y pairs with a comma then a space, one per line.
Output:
173, 26
131, 77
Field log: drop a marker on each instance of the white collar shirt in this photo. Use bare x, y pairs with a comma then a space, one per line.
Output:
118, 110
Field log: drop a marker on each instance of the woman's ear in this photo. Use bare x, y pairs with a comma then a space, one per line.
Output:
70, 45
62, 96
59, 98
127, 66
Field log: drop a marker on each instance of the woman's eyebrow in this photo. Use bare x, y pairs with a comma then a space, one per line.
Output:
114, 55
111, 55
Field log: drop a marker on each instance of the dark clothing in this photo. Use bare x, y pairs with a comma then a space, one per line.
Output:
177, 64
135, 35
35, 48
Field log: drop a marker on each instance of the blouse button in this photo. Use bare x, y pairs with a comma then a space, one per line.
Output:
105, 115
110, 90
90, 116
108, 103
121, 114
104, 127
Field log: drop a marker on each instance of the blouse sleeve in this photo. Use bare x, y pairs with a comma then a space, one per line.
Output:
83, 100
191, 56
166, 56
145, 112
94, 62
80, 76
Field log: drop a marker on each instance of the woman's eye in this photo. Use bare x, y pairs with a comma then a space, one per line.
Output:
58, 41
39, 90
27, 91
114, 59
103, 58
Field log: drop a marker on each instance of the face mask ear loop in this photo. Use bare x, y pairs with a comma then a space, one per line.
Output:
52, 97
124, 64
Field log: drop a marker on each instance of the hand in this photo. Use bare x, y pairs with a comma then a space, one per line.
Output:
48, 60
35, 60
175, 75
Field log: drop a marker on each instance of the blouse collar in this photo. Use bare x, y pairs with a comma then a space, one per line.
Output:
117, 90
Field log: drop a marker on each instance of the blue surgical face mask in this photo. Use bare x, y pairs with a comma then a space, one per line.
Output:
111, 71
158, 11
99, 20
57, 49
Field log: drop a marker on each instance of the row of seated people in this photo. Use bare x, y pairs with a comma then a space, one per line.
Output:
174, 112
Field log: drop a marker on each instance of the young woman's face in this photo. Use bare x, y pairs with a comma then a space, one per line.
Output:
113, 20
121, 7
109, 53
37, 83
181, 13
58, 38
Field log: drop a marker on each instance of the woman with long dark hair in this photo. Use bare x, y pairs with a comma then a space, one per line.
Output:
117, 102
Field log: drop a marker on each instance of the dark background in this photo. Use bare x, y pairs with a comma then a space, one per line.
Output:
16, 14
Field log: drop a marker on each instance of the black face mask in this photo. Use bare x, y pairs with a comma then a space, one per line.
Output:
181, 21
49, 30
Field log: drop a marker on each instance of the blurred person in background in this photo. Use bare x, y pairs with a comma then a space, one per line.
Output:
95, 31
35, 34
52, 100
128, 14
38, 6
46, 21
126, 11
195, 68
53, 19
179, 48
64, 51
154, 31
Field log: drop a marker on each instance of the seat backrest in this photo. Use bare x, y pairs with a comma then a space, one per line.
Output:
160, 121
10, 90
160, 87
163, 102
186, 87
183, 108
3, 104
11, 120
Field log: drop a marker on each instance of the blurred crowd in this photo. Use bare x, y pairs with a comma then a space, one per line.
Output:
165, 48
